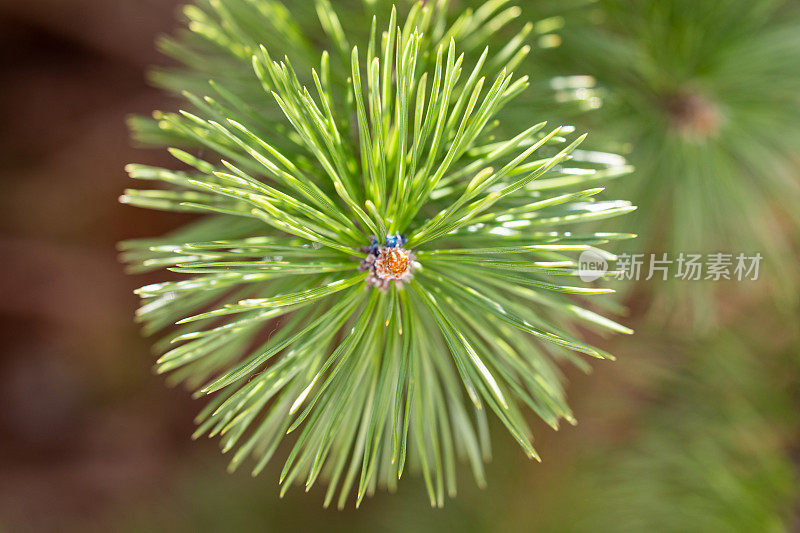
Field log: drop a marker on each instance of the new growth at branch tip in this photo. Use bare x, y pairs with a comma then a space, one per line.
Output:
387, 263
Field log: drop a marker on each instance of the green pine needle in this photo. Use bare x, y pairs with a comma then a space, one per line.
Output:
296, 163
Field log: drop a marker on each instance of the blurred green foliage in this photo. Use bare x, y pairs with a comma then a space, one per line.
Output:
710, 454
706, 96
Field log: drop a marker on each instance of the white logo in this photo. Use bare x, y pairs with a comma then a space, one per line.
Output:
591, 266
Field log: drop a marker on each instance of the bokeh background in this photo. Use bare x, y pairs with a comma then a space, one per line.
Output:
682, 433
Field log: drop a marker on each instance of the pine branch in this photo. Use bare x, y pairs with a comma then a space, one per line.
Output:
706, 93
711, 452
359, 210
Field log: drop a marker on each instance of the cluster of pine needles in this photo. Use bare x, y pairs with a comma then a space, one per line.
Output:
295, 161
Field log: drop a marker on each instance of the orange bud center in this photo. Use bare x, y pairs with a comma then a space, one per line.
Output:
392, 263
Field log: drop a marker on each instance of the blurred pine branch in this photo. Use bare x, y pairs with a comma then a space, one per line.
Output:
706, 93
713, 452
